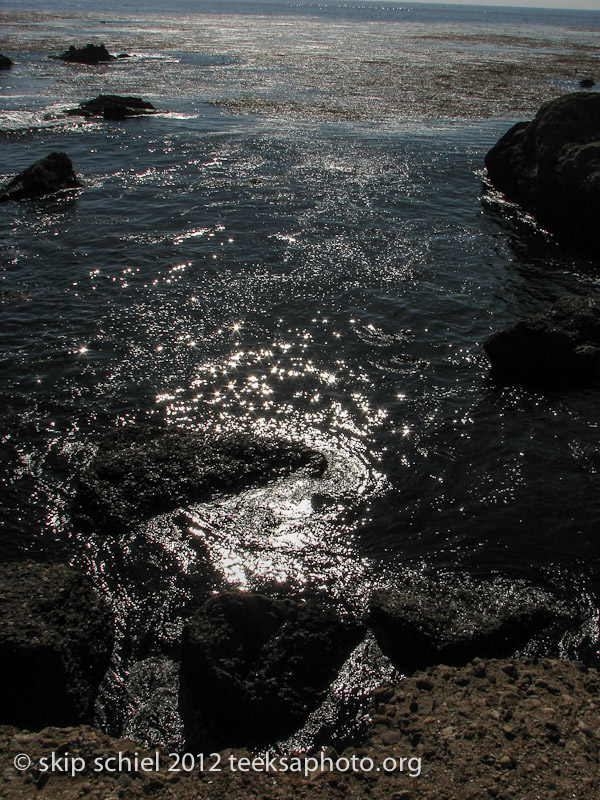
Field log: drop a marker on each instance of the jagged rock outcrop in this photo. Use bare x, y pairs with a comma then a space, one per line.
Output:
142, 470
89, 54
52, 174
56, 639
557, 347
253, 667
113, 107
551, 167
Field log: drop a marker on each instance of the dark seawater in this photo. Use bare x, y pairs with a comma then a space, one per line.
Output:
301, 244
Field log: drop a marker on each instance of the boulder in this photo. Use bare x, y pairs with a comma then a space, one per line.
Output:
112, 106
551, 167
587, 83
452, 619
558, 347
49, 175
254, 667
56, 639
5, 62
142, 470
90, 54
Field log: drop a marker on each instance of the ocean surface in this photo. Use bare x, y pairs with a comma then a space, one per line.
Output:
300, 243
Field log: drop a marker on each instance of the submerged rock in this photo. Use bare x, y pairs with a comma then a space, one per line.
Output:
90, 54
56, 639
13, 296
5, 62
253, 667
142, 470
551, 167
112, 106
558, 347
49, 175
451, 620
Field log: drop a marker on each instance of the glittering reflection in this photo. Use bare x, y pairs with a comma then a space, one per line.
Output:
295, 533
300, 530
342, 717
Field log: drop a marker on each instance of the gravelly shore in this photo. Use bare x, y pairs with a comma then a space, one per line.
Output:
523, 729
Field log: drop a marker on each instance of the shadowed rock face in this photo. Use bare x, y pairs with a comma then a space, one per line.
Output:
5, 62
253, 667
551, 167
56, 639
90, 54
112, 106
452, 620
142, 470
558, 347
49, 175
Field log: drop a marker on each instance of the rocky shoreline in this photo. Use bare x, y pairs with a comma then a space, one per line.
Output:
550, 167
251, 667
470, 728
501, 729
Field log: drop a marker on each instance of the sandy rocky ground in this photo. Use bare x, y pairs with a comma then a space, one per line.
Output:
522, 729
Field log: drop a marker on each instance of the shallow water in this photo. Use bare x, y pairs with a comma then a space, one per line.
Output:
299, 243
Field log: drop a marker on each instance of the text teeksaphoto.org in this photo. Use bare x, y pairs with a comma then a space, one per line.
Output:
73, 765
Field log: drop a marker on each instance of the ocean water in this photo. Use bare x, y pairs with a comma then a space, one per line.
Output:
300, 243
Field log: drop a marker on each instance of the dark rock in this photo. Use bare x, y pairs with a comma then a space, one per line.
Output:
587, 83
123, 55
453, 619
254, 667
90, 54
551, 167
5, 62
49, 175
56, 639
112, 106
13, 296
142, 470
558, 347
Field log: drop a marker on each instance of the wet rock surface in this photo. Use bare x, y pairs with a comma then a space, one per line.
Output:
13, 296
89, 54
112, 107
253, 667
56, 639
151, 700
52, 174
452, 620
142, 470
551, 167
557, 347
499, 729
